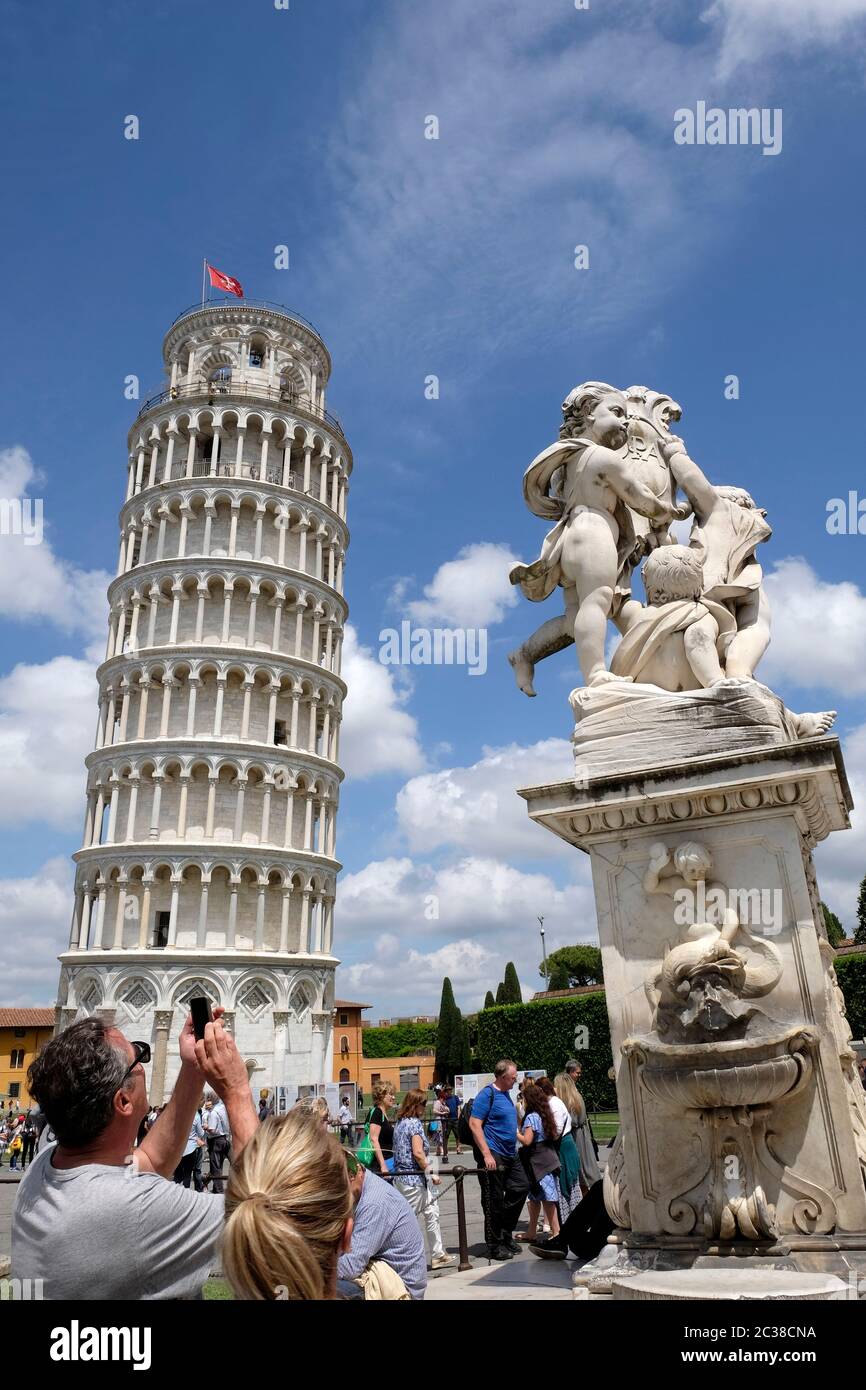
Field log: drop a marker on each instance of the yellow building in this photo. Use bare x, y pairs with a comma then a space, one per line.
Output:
404, 1073
348, 1047
350, 1064
22, 1033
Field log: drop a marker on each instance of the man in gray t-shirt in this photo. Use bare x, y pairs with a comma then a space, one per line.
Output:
95, 1219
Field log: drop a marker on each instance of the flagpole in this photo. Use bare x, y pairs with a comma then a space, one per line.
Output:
203, 274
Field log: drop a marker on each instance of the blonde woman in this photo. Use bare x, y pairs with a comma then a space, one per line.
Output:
570, 1096
288, 1212
412, 1172
318, 1106
381, 1128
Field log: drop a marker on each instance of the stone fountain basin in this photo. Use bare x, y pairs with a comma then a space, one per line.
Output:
713, 1076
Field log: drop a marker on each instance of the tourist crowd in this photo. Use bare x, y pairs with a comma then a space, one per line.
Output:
302, 1216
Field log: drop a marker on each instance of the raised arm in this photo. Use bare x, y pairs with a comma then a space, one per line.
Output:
214, 1060
161, 1149
615, 470
694, 483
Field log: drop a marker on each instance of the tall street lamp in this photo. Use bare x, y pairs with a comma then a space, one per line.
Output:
543, 947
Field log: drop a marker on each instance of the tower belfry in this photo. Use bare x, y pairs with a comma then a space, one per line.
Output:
208, 860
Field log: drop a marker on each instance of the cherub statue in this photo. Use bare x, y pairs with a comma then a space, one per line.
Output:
727, 530
699, 989
587, 482
676, 639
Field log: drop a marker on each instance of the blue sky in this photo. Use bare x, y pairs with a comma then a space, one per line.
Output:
415, 257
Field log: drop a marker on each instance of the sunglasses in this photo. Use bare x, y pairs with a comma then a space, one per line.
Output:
352, 1163
142, 1054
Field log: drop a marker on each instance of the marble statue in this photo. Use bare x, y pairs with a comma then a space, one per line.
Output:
612, 484
742, 1140
592, 484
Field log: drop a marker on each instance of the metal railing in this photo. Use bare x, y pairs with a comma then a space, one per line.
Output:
252, 471
211, 392
232, 302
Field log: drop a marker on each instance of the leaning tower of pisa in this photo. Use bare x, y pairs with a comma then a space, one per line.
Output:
207, 864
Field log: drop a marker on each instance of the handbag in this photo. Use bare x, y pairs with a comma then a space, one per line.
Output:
365, 1151
542, 1160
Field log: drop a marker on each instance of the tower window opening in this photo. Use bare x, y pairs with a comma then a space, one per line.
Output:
221, 379
257, 355
160, 931
280, 735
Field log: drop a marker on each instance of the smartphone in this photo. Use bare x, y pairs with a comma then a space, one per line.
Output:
199, 1007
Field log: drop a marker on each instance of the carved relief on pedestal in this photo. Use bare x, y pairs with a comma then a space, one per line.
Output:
721, 1061
615, 1186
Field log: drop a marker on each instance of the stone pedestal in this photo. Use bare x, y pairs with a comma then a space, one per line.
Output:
743, 1121
726, 1286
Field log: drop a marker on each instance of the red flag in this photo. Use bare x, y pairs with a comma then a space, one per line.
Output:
225, 282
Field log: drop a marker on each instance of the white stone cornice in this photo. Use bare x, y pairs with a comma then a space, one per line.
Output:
259, 491
193, 854
274, 664
223, 568
216, 752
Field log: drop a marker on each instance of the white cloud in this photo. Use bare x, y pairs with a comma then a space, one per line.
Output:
477, 808
37, 910
752, 30
378, 734
475, 894
34, 581
519, 175
488, 910
472, 590
47, 724
817, 631
469, 965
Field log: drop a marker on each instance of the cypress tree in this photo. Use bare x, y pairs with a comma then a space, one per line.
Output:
511, 985
835, 930
500, 994
445, 1030
489, 1001
452, 1036
860, 929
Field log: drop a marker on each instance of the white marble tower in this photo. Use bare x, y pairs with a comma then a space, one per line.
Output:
207, 863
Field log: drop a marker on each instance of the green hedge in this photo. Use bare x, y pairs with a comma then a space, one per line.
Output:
542, 1035
402, 1040
851, 974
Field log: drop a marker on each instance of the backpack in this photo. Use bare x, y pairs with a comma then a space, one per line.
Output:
464, 1133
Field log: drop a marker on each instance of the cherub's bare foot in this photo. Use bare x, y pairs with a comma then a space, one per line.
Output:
523, 669
606, 677
810, 725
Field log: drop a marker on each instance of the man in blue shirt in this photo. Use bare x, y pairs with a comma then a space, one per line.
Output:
504, 1184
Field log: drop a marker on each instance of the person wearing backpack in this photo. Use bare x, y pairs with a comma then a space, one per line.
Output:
29, 1135
504, 1184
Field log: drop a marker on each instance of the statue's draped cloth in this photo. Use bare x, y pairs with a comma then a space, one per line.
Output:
539, 579
640, 646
